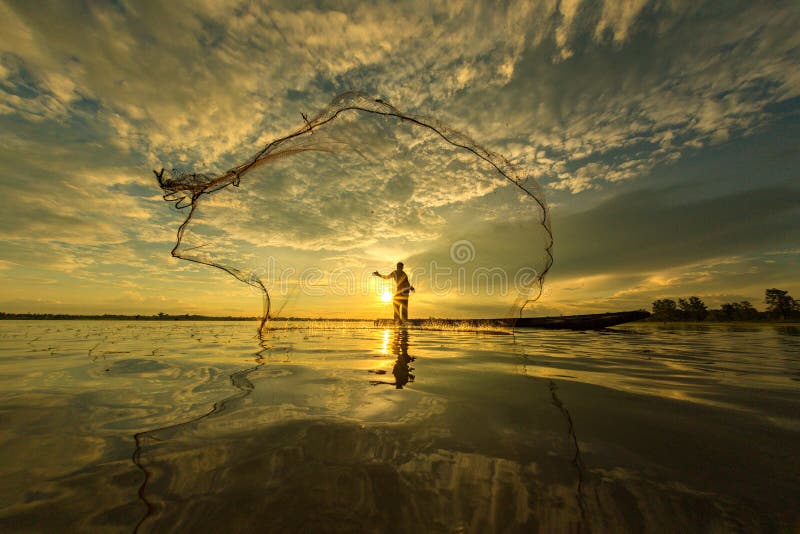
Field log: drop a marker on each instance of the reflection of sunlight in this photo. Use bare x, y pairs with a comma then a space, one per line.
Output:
385, 348
386, 296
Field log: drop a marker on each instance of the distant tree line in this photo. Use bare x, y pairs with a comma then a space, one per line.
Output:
161, 316
780, 306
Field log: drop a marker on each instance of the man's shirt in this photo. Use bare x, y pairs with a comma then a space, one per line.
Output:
403, 285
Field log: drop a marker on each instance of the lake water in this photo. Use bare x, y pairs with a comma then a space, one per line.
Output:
343, 427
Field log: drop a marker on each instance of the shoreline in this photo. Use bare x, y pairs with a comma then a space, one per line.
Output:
211, 318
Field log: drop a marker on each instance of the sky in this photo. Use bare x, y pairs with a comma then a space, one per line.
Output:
664, 135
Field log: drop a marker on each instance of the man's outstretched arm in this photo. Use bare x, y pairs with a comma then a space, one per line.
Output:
384, 276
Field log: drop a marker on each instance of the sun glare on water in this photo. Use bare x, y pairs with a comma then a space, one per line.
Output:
386, 296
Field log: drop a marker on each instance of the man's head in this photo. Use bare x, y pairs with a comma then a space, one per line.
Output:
399, 265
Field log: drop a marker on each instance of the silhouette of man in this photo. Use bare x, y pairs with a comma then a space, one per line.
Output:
401, 291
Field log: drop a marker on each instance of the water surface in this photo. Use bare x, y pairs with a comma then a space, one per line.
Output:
342, 427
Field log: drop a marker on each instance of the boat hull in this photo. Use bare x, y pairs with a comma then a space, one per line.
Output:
593, 321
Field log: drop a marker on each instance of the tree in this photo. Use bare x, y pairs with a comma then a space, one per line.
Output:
693, 309
747, 311
738, 311
779, 303
729, 311
665, 310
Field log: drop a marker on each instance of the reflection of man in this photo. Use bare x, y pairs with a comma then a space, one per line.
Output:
401, 291
402, 369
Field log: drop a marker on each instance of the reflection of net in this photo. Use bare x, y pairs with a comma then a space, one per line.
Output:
187, 188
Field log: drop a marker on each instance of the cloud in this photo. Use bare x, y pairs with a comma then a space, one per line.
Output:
611, 112
653, 228
657, 243
6, 265
714, 280
662, 74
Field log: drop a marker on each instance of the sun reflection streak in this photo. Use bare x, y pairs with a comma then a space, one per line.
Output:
385, 347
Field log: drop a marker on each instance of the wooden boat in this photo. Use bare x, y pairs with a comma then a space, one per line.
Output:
594, 321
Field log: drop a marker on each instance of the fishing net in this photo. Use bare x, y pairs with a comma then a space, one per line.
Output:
308, 218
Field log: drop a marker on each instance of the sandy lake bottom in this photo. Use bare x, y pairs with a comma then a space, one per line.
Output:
344, 427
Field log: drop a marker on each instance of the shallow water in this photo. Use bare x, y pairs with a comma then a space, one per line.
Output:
340, 427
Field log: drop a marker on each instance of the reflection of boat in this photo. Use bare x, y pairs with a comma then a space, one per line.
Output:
592, 321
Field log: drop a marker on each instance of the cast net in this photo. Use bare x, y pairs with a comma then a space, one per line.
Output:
308, 218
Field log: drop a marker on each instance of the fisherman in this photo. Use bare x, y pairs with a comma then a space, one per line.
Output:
402, 289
